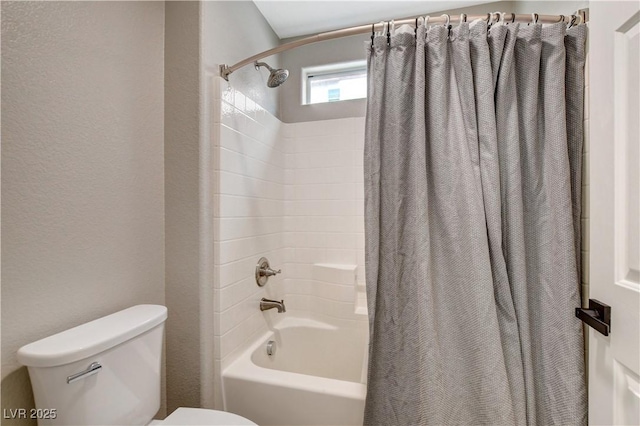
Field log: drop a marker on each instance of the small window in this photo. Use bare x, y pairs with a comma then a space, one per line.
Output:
336, 82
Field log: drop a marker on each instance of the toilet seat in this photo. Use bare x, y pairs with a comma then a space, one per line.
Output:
201, 416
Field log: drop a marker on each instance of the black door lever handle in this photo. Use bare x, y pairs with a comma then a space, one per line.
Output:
598, 316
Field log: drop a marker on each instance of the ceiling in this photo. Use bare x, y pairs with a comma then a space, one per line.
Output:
297, 18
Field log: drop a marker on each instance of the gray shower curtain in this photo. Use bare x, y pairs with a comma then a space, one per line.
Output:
472, 214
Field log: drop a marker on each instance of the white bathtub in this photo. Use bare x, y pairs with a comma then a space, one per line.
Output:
315, 377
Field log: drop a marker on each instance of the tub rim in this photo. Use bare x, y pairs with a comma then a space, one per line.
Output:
243, 367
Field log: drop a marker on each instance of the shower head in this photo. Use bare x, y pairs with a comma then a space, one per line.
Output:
276, 77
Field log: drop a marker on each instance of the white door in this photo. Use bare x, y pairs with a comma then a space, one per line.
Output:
614, 224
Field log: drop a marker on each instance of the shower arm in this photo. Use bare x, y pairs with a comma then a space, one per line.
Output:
226, 70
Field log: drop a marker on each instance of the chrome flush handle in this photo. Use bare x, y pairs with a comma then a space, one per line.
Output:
94, 368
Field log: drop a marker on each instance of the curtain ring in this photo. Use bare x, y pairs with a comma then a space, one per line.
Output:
492, 19
573, 20
534, 18
426, 22
447, 25
513, 17
463, 18
388, 32
373, 31
501, 21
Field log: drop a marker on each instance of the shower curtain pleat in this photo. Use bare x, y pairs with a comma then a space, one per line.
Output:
483, 81
509, 153
470, 223
575, 46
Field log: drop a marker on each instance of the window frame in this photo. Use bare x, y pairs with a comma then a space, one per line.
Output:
329, 71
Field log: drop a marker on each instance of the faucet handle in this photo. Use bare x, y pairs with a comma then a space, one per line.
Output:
264, 271
268, 272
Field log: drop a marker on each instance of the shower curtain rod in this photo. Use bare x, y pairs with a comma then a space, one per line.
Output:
225, 70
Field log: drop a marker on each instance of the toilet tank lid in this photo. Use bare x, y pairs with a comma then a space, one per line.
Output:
93, 337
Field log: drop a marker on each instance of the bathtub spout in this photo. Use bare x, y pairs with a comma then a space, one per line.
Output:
270, 304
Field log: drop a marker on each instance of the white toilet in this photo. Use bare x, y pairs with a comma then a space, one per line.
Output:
107, 371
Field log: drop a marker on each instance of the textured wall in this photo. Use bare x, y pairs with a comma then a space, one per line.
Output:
199, 36
82, 169
182, 202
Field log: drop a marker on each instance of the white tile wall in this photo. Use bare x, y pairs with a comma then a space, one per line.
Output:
249, 217
324, 217
293, 193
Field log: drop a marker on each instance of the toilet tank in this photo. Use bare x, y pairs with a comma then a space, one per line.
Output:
106, 371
